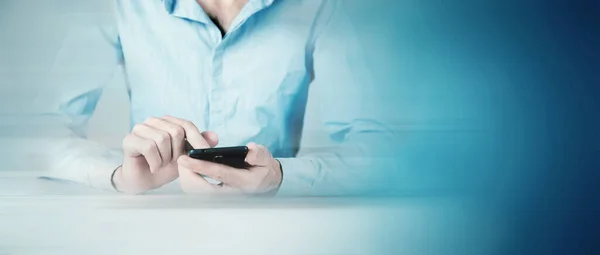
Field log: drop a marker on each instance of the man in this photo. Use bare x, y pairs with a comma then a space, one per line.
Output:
284, 77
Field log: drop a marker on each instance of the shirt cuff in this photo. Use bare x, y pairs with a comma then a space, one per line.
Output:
94, 170
298, 176
101, 171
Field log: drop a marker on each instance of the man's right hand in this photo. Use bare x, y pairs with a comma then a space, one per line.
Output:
151, 152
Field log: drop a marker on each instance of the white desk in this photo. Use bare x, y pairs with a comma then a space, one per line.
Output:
45, 217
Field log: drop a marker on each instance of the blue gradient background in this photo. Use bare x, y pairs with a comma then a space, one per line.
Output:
499, 99
493, 101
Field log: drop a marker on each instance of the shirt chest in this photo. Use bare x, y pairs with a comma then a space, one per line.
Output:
252, 77
166, 53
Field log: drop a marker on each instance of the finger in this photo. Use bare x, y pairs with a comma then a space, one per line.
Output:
211, 138
135, 146
193, 135
191, 182
176, 132
258, 155
161, 138
225, 174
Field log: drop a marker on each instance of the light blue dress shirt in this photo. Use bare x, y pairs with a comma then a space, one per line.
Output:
288, 74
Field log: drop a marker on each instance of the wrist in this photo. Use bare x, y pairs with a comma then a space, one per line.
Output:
279, 169
116, 179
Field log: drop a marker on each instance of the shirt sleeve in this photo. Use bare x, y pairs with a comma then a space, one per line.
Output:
345, 149
55, 137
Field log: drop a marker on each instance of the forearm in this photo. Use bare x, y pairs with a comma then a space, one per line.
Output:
361, 164
49, 143
84, 161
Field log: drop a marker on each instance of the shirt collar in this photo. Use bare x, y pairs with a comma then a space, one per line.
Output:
258, 4
191, 10
252, 7
187, 9
262, 3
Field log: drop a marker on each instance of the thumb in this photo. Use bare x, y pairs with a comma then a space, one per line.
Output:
258, 155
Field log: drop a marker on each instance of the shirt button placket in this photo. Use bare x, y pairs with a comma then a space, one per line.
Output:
216, 91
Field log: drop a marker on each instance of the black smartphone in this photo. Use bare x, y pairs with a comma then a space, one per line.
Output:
231, 156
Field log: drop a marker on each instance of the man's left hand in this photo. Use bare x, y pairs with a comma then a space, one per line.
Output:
262, 177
